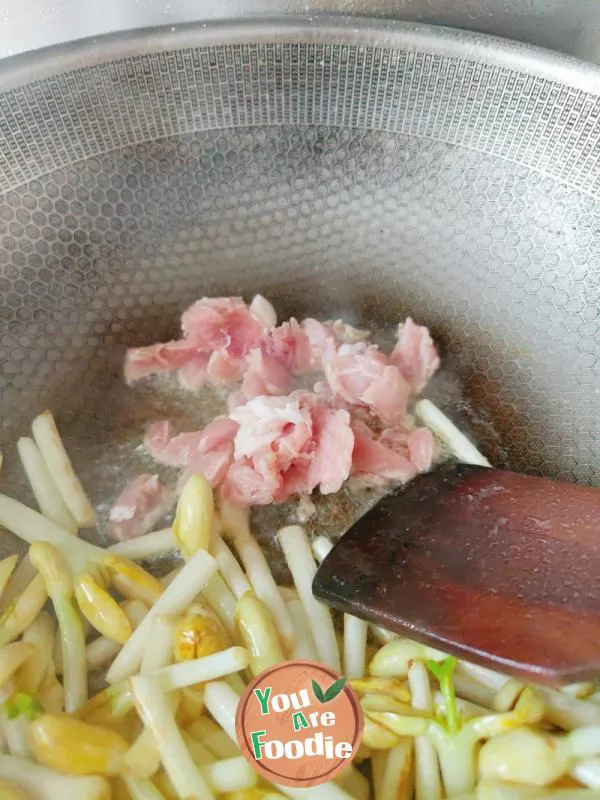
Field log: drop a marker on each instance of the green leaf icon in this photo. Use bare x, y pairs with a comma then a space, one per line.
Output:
335, 688
332, 692
318, 692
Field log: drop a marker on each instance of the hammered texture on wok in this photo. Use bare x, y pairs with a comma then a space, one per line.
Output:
336, 184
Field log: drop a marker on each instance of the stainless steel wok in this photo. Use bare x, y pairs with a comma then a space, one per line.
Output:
339, 167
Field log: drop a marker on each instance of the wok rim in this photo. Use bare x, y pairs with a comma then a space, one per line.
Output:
327, 29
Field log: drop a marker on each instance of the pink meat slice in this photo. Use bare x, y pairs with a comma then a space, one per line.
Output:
156, 358
291, 346
222, 323
415, 355
208, 452
347, 334
276, 442
360, 374
264, 375
223, 369
331, 458
217, 334
294, 444
421, 448
282, 425
322, 342
139, 507
252, 482
263, 311
193, 375
371, 458
387, 396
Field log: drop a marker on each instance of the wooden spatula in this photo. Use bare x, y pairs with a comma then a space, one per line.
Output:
492, 566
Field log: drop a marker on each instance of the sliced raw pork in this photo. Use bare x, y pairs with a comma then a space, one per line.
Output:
288, 445
140, 505
218, 333
208, 452
415, 355
361, 375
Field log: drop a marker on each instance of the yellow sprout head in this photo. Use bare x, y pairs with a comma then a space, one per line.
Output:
194, 518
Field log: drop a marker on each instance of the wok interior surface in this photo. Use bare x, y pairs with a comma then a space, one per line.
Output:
424, 175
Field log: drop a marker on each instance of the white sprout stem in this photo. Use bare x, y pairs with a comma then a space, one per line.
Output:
157, 543
458, 444
40, 634
263, 583
174, 600
31, 526
159, 647
582, 689
43, 486
506, 697
584, 742
287, 593
587, 772
321, 548
46, 784
141, 788
222, 601
302, 565
229, 775
74, 661
24, 610
200, 670
457, 758
355, 646
142, 759
488, 677
473, 691
236, 682
593, 698
229, 567
102, 650
394, 778
7, 568
13, 656
305, 649
381, 635
20, 579
199, 752
354, 782
568, 712
378, 758
48, 440
428, 785
15, 732
157, 715
214, 739
168, 579
222, 702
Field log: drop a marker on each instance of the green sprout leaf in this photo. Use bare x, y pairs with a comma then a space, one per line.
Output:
443, 671
23, 703
318, 692
335, 688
